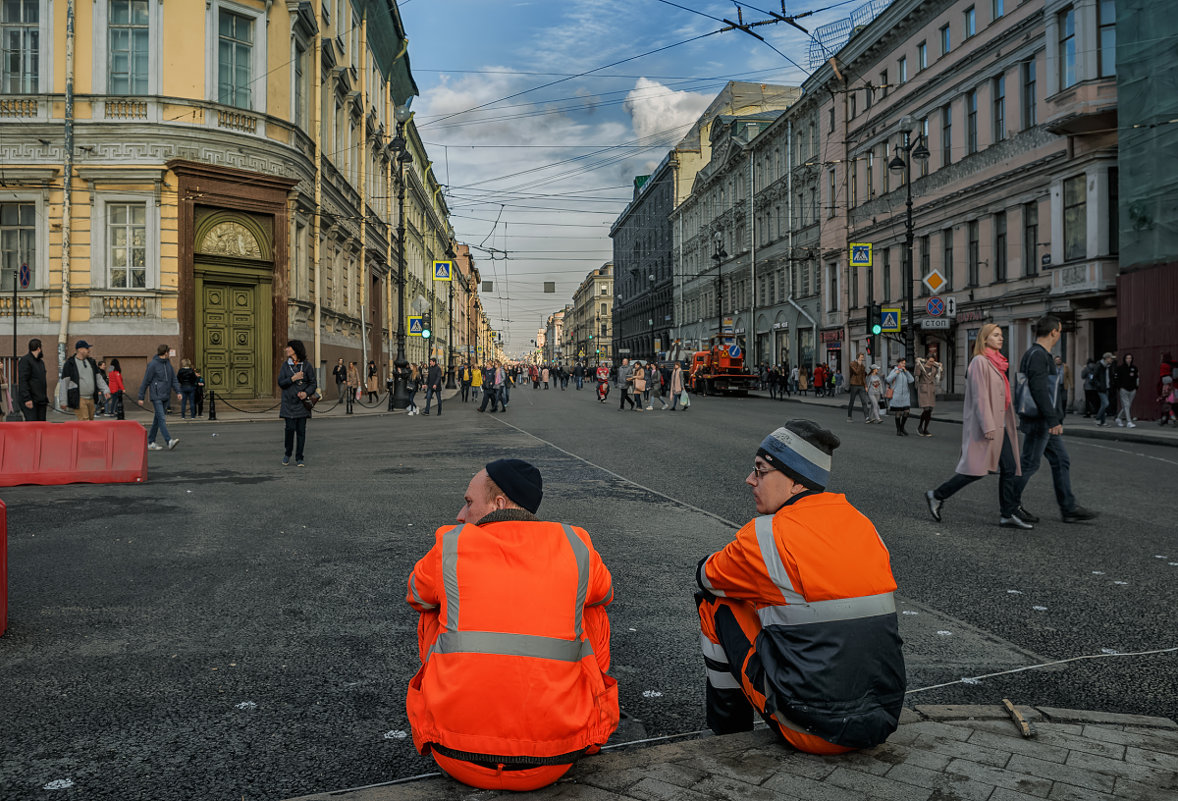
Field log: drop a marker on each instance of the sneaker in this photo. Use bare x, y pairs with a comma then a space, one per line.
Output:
934, 505
151, 446
172, 443
1014, 521
1131, 425
1099, 424
1120, 424
1078, 515
850, 419
1023, 514
285, 461
299, 463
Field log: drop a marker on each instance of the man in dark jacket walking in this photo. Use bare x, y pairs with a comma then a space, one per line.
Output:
32, 392
84, 382
433, 385
161, 378
1043, 434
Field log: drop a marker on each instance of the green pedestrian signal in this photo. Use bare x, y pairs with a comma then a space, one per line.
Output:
874, 320
427, 325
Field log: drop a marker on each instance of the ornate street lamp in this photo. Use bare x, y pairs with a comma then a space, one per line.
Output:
719, 255
400, 399
913, 148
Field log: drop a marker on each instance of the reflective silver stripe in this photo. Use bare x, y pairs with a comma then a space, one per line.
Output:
450, 575
581, 552
722, 681
786, 723
416, 596
703, 579
827, 611
609, 597
772, 559
493, 642
712, 650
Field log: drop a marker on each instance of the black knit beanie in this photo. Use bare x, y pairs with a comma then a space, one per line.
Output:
520, 482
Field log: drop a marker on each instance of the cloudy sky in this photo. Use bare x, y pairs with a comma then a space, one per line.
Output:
538, 116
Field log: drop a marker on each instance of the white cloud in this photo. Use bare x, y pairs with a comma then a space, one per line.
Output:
661, 113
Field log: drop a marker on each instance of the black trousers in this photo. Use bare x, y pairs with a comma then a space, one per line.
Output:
35, 414
1008, 493
296, 427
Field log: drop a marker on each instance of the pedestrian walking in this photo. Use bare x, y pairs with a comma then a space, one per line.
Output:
490, 394
545, 374
340, 374
1043, 430
1105, 381
161, 379
928, 378
819, 380
655, 381
412, 385
297, 380
83, 382
1066, 388
476, 381
433, 386
101, 401
353, 387
900, 392
795, 378
989, 434
1088, 376
186, 377
579, 375
118, 391
797, 614
623, 384
858, 384
678, 388
650, 374
373, 385
1128, 379
32, 388
875, 392
638, 384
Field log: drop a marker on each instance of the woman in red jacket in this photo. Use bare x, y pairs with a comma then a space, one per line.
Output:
115, 379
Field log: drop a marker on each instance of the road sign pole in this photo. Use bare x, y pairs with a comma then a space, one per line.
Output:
14, 413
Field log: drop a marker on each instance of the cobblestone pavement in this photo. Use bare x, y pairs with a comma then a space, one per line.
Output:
972, 753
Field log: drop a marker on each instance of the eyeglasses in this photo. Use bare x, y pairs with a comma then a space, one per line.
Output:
761, 472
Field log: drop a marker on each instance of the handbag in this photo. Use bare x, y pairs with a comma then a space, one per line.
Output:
310, 401
888, 393
639, 384
686, 399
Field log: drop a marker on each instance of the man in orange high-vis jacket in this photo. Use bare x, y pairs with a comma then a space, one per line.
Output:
797, 616
514, 640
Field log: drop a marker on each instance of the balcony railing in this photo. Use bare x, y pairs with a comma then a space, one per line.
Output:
25, 306
121, 305
19, 107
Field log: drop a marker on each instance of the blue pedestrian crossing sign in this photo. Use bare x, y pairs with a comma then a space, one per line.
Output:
860, 254
415, 325
734, 351
890, 320
443, 270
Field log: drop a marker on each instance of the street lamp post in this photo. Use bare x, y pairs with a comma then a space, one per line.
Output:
913, 149
719, 255
450, 254
404, 158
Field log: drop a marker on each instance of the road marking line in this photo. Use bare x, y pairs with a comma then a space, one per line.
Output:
1091, 444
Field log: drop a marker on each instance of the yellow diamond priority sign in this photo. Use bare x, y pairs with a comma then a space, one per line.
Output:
935, 281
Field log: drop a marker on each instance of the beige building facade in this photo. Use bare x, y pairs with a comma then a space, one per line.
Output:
588, 326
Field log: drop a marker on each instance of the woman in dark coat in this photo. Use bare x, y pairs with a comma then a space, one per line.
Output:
297, 381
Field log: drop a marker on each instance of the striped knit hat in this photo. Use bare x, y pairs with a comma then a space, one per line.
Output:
801, 449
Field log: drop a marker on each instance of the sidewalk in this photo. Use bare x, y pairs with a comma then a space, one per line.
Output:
938, 753
1074, 425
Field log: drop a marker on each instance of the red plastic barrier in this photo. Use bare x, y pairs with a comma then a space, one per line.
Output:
3, 568
96, 452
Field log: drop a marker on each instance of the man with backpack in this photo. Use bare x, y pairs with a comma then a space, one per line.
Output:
1043, 432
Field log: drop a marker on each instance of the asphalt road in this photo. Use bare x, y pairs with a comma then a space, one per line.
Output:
234, 629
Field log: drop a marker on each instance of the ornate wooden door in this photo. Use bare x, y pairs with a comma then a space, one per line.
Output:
229, 339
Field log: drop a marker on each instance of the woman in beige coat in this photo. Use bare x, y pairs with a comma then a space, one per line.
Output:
989, 434
677, 387
928, 377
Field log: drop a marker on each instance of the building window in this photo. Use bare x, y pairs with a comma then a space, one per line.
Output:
971, 122
947, 257
883, 84
996, 6
924, 132
946, 44
830, 180
126, 245
1029, 117
20, 47
830, 119
1107, 42
925, 262
971, 22
1067, 48
300, 85
604, 308
854, 106
867, 97
887, 274
234, 59
946, 135
972, 255
999, 91
854, 184
1000, 246
1075, 218
922, 56
1031, 239
902, 70
870, 173
127, 51
605, 329
833, 272
18, 242
1114, 220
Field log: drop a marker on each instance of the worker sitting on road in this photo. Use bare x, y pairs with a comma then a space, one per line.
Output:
797, 613
513, 685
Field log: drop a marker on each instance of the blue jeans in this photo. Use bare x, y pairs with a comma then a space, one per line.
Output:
580, 381
1039, 443
430, 394
158, 422
1102, 412
188, 401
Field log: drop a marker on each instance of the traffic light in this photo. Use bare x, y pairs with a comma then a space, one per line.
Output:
875, 320
427, 325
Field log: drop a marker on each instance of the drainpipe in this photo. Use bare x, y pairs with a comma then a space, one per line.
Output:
753, 264
362, 158
789, 200
317, 139
67, 204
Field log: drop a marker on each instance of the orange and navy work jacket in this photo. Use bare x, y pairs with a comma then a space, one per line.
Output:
514, 644
820, 579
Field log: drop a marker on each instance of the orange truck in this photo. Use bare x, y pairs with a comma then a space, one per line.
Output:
720, 369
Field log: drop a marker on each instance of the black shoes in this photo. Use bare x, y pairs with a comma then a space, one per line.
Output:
1023, 514
1078, 515
1014, 521
934, 505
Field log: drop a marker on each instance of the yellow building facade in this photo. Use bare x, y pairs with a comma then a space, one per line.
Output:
232, 185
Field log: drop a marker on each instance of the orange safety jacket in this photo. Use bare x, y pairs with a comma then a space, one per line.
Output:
820, 579
514, 643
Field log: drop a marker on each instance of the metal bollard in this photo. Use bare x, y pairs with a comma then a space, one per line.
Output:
212, 405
